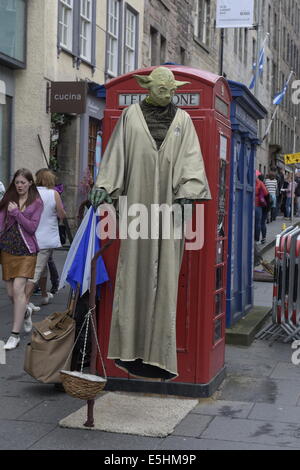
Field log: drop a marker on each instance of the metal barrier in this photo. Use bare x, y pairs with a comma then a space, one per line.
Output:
285, 324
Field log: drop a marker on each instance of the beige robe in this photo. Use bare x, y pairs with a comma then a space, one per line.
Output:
144, 310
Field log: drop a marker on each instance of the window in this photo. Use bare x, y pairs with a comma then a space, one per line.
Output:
65, 23
113, 37
130, 41
77, 29
13, 32
163, 49
202, 21
86, 29
153, 46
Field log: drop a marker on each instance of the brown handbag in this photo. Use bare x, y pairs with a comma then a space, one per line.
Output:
51, 342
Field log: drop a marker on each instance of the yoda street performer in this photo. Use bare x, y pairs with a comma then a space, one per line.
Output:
153, 157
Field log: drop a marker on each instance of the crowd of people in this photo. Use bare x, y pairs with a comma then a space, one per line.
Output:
30, 211
274, 196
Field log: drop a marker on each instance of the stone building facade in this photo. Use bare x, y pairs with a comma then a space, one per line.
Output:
65, 40
185, 32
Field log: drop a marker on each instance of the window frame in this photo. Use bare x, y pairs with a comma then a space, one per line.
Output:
202, 21
63, 6
135, 14
75, 50
84, 20
111, 73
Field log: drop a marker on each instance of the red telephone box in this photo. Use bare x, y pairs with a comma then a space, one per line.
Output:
201, 292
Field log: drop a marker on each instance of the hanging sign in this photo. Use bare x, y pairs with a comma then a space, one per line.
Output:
292, 158
68, 97
235, 14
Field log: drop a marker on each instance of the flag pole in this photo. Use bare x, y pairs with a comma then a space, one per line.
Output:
270, 123
276, 109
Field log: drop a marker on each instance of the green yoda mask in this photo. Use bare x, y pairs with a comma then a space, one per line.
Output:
161, 84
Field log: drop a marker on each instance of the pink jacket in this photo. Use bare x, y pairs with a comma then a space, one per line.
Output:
28, 221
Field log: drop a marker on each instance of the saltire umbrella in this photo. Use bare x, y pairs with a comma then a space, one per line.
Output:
77, 267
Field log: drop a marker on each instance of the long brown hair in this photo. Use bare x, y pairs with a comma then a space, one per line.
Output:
11, 194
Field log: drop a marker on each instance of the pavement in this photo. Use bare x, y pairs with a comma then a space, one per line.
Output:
257, 407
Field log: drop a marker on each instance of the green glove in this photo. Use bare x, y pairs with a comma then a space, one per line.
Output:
98, 196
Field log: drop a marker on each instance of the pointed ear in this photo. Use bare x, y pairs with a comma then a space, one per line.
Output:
178, 84
143, 80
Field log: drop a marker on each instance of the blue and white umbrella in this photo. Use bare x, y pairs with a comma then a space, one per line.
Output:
77, 268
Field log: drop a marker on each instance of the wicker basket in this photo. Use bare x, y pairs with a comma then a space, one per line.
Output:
83, 386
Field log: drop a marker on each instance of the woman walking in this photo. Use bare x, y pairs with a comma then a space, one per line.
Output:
20, 212
47, 233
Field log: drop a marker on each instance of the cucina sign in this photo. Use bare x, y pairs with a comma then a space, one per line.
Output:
68, 97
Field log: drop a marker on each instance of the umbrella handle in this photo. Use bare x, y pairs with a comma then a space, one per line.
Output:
93, 273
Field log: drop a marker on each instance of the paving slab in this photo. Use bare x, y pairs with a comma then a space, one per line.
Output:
232, 409
181, 443
248, 389
50, 411
19, 435
284, 392
254, 432
15, 407
260, 350
75, 439
192, 425
275, 413
251, 367
285, 370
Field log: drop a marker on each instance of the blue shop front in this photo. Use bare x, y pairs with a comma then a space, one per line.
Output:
246, 110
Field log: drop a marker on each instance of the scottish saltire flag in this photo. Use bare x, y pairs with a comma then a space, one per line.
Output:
77, 268
279, 96
260, 65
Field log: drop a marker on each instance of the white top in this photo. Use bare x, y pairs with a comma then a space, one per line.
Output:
47, 233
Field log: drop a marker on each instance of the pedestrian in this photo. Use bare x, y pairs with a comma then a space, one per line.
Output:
261, 204
280, 182
287, 190
47, 234
272, 185
297, 196
20, 213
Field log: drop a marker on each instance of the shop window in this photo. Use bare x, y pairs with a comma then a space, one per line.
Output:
13, 32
